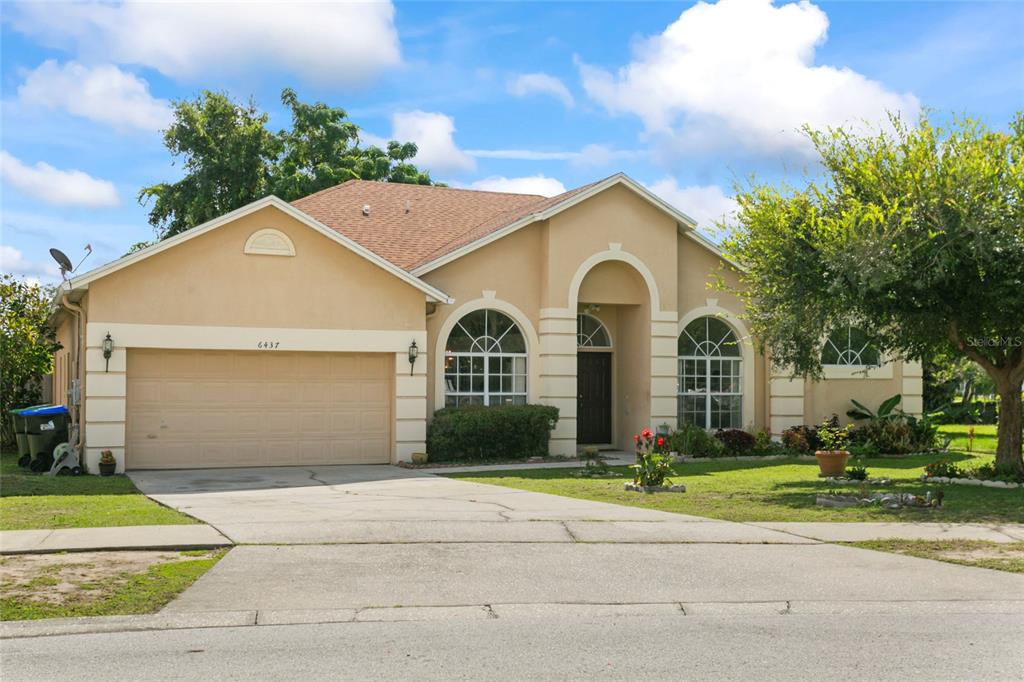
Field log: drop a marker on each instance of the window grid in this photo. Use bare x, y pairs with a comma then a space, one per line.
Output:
710, 381
591, 332
849, 347
482, 373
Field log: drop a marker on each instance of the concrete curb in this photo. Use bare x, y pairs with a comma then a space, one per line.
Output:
175, 537
262, 618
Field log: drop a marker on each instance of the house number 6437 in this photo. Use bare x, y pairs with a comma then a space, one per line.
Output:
268, 345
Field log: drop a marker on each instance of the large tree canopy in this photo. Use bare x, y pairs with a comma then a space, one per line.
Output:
230, 158
915, 235
26, 346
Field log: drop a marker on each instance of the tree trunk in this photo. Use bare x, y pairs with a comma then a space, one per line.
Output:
1008, 450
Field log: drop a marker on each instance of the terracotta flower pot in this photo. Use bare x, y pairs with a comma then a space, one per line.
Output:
832, 462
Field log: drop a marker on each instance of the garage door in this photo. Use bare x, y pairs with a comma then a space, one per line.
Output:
228, 409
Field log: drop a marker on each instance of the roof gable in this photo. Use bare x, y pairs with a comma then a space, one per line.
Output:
434, 294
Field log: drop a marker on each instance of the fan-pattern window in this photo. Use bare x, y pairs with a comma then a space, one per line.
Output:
485, 361
591, 332
710, 375
850, 347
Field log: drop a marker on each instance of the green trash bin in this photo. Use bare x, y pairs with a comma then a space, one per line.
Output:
47, 426
21, 429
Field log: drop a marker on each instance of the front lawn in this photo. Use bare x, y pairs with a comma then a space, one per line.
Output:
779, 490
980, 553
37, 586
984, 436
35, 501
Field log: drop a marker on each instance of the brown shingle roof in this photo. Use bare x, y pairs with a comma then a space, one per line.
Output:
410, 225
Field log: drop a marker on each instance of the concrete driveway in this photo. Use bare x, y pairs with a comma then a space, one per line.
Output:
385, 505
322, 544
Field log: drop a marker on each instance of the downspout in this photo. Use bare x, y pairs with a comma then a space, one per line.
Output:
76, 410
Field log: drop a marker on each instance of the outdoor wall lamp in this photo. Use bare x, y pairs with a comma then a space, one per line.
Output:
414, 352
108, 350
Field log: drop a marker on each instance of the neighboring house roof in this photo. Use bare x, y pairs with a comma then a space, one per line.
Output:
434, 294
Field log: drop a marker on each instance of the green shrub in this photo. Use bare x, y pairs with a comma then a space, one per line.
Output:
898, 436
737, 442
864, 449
486, 433
944, 468
801, 439
857, 473
652, 469
692, 440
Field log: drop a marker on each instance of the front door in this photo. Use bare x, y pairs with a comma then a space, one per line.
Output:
594, 398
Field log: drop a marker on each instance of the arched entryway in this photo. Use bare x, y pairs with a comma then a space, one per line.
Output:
612, 301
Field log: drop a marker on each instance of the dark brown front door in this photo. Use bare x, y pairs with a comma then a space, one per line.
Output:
594, 397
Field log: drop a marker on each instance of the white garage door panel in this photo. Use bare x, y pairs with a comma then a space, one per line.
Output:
222, 409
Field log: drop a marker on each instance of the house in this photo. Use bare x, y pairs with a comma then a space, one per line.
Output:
330, 329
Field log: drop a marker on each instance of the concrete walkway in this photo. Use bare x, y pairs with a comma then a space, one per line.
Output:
857, 532
194, 536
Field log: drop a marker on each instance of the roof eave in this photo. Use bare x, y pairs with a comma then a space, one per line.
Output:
433, 294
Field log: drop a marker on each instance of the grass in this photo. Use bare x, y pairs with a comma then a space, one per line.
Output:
984, 436
35, 501
779, 490
123, 593
979, 553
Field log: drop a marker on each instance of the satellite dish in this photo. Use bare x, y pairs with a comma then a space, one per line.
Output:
63, 261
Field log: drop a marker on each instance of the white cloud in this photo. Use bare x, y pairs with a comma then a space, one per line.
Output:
534, 184
740, 72
55, 186
101, 93
330, 42
707, 204
12, 261
540, 84
433, 134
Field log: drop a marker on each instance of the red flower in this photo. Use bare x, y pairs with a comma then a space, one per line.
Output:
661, 441
647, 433
636, 438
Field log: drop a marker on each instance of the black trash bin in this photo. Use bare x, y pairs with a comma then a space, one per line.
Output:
21, 434
47, 427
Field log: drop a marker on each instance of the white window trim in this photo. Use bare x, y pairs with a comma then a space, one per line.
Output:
611, 343
883, 371
517, 315
746, 345
283, 245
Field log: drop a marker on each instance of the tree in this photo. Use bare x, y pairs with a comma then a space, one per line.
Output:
26, 346
915, 235
226, 153
231, 158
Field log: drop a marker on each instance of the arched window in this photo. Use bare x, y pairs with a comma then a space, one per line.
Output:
710, 375
849, 346
591, 332
485, 361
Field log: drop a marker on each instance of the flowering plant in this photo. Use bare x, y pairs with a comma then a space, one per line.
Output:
652, 467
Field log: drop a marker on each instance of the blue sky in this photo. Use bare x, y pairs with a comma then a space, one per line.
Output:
685, 97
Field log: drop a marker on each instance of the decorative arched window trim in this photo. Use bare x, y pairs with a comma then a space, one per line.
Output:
850, 351
485, 372
269, 242
746, 348
590, 339
496, 303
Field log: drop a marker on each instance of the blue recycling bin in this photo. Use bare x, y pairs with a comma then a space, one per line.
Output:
47, 426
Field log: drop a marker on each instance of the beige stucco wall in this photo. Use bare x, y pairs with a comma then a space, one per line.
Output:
699, 273
831, 396
207, 293
209, 280
616, 216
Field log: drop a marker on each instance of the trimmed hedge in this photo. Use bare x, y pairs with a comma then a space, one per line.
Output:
486, 433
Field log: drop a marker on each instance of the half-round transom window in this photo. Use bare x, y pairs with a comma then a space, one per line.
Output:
485, 361
710, 375
591, 332
849, 346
